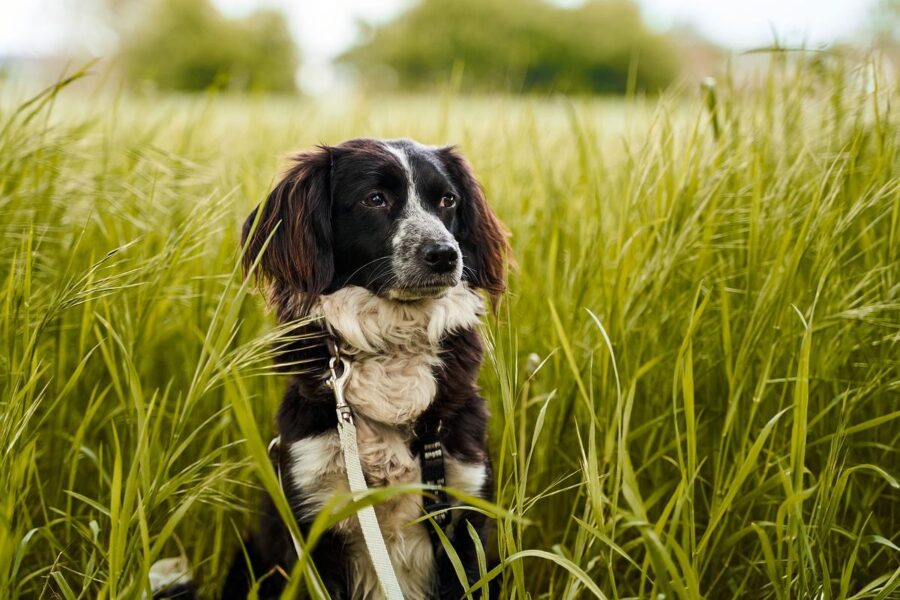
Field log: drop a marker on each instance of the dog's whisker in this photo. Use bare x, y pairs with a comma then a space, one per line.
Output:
371, 262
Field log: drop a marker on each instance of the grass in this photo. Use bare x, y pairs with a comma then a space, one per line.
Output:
694, 376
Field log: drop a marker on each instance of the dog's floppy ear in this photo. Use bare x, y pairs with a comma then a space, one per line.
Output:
482, 236
290, 232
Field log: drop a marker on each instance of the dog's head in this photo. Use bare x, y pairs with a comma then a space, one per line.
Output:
405, 221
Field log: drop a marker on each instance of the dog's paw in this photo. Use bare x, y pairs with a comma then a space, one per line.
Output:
172, 578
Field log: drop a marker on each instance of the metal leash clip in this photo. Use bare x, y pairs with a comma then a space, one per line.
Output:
336, 383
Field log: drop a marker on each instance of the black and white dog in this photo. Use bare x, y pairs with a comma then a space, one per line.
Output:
387, 245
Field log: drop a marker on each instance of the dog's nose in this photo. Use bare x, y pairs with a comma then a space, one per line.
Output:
440, 257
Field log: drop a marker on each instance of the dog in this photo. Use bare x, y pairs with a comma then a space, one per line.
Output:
388, 253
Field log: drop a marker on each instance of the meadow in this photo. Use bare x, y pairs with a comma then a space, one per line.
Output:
694, 376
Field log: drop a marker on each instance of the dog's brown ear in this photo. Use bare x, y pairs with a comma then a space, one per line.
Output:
482, 236
290, 233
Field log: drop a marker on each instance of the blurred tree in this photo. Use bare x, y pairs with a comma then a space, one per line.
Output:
188, 45
884, 20
527, 45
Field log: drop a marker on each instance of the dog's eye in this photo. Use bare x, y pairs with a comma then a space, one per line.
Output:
375, 200
448, 201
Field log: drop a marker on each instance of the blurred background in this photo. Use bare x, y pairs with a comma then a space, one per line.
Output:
735, 243
316, 48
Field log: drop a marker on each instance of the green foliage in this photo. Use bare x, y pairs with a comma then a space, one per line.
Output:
693, 378
519, 45
187, 45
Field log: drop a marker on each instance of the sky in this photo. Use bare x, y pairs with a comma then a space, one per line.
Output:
324, 28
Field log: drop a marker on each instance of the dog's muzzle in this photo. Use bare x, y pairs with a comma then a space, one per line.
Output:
427, 259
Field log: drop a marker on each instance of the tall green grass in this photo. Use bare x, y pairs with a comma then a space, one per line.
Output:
694, 376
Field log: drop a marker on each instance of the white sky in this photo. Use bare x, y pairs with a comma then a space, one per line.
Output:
324, 28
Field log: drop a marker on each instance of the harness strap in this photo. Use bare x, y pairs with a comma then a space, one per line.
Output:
431, 462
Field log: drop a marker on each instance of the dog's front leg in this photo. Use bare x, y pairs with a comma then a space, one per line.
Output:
450, 587
328, 557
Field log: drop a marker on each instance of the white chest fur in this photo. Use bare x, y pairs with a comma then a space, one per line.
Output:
394, 348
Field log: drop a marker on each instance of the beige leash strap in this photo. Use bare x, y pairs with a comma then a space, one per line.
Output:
368, 520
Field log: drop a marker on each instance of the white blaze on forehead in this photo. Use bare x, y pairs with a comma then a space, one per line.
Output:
416, 222
400, 153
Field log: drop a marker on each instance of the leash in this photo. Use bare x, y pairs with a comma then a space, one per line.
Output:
368, 520
431, 460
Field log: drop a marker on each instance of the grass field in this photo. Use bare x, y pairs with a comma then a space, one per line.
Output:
694, 377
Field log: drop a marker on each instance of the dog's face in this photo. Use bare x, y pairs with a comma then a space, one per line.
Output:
394, 216
403, 220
